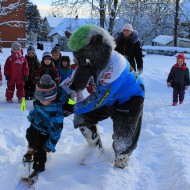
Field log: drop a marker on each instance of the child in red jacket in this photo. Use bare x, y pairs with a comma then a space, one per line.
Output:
179, 80
16, 72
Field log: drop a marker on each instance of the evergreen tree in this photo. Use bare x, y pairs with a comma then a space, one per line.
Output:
34, 23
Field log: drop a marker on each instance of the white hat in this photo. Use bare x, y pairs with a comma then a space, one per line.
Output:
128, 27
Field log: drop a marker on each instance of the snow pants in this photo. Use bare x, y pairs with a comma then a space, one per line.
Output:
127, 121
178, 93
11, 88
36, 140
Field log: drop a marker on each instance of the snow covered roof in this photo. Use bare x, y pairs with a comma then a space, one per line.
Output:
53, 21
163, 39
72, 24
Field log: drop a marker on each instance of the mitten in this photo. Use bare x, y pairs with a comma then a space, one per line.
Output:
139, 71
168, 84
7, 77
25, 78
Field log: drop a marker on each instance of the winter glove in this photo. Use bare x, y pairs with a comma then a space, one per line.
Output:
0, 83
168, 84
25, 78
7, 77
186, 87
46, 149
139, 71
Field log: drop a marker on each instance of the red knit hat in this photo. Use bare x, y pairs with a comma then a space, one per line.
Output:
181, 56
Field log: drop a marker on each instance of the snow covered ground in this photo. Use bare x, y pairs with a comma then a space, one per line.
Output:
160, 162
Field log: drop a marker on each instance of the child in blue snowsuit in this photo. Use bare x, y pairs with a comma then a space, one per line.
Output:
50, 104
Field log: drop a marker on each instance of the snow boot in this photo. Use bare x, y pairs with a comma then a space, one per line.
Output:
9, 100
32, 178
92, 136
121, 160
174, 104
180, 102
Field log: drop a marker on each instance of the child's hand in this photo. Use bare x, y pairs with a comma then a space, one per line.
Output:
186, 87
168, 84
46, 149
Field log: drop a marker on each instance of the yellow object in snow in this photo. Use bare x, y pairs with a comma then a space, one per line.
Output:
23, 104
71, 102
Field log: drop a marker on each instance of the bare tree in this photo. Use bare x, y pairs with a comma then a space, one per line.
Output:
176, 22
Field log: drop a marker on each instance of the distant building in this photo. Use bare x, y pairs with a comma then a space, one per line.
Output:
13, 22
164, 40
51, 22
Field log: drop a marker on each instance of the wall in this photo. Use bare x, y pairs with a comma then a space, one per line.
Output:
13, 31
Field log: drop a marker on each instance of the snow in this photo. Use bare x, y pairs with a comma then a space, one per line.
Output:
160, 161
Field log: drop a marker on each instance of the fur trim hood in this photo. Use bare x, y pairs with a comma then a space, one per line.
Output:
134, 37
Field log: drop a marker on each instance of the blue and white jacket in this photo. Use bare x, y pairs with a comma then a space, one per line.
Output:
49, 119
115, 83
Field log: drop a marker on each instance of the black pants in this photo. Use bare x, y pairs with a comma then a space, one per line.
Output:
29, 88
36, 140
178, 92
127, 121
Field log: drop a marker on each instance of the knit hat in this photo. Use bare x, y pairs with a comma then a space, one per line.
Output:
15, 45
30, 48
46, 89
46, 54
181, 56
66, 58
55, 50
128, 27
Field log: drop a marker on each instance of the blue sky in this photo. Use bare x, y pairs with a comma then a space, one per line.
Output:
43, 6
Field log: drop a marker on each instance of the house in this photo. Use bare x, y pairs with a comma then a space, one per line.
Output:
13, 22
68, 24
51, 22
164, 40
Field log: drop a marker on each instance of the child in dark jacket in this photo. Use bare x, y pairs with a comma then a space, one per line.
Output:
64, 69
16, 72
34, 65
47, 67
178, 79
46, 120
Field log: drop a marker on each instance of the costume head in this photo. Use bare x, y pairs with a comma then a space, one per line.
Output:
46, 89
92, 47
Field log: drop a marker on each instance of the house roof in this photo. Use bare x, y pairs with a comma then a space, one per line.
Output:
72, 24
53, 21
163, 39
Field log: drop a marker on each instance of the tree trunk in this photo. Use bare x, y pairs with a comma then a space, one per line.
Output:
112, 16
176, 23
102, 13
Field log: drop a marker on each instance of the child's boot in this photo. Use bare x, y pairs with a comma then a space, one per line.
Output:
174, 104
9, 100
121, 160
180, 102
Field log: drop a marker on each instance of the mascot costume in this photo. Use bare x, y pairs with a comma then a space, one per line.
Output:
119, 92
